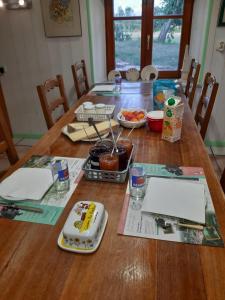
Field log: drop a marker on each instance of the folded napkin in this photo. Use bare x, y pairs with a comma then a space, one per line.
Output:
26, 183
103, 88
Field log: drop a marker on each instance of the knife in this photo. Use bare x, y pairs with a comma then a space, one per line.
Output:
23, 207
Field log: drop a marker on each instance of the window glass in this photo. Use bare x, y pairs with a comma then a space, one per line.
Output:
127, 35
168, 7
127, 8
166, 43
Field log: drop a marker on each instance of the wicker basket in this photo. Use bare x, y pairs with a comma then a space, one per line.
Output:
101, 175
81, 115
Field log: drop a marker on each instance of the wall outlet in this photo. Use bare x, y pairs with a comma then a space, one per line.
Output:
3, 70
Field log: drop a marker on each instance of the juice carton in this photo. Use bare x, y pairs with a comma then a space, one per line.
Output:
172, 119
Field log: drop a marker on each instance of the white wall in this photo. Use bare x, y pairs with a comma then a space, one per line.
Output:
97, 19
215, 63
199, 19
31, 58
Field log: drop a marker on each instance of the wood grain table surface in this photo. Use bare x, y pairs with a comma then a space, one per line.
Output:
32, 266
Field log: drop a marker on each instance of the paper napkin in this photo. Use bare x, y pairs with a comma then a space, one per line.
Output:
26, 183
177, 198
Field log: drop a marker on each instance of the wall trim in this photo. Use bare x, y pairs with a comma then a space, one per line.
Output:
218, 144
90, 40
206, 36
29, 136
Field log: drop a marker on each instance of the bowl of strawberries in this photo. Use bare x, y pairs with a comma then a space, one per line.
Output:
132, 117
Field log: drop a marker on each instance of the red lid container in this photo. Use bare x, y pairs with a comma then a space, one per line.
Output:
155, 120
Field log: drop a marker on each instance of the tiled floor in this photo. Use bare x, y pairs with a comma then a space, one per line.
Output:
218, 162
22, 145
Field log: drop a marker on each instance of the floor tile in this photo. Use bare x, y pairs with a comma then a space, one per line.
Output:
27, 142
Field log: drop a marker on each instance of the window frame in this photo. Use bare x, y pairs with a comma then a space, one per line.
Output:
147, 29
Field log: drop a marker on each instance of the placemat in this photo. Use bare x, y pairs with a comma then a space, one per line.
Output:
134, 223
53, 202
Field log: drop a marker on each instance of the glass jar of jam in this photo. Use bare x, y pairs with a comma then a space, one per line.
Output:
127, 144
105, 142
109, 162
122, 156
95, 152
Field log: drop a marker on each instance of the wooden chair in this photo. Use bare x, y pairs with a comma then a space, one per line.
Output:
48, 107
222, 180
4, 108
192, 81
6, 142
206, 102
80, 78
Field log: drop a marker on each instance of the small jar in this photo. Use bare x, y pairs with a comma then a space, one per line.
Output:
109, 162
95, 152
87, 103
105, 142
100, 108
89, 108
121, 153
127, 144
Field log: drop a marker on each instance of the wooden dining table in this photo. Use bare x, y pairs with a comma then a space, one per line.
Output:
124, 267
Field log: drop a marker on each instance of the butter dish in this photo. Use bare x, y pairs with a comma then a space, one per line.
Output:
84, 227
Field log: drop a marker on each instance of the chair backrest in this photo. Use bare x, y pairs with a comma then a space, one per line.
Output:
222, 180
49, 106
206, 102
6, 142
192, 81
80, 78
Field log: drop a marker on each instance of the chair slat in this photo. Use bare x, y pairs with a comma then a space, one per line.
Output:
207, 102
6, 144
80, 78
222, 180
192, 81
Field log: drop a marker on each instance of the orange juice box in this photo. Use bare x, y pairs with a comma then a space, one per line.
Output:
172, 119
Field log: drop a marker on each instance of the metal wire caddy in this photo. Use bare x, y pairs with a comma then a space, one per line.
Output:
101, 175
81, 115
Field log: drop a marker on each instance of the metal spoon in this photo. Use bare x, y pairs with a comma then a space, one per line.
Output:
117, 140
113, 137
92, 123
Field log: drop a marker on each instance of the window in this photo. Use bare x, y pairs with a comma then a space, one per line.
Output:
143, 32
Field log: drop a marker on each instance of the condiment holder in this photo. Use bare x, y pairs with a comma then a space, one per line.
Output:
99, 112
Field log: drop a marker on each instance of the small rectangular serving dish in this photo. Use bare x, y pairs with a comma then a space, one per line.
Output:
82, 115
101, 175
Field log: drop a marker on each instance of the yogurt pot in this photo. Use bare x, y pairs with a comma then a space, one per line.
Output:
87, 103
155, 120
100, 108
89, 108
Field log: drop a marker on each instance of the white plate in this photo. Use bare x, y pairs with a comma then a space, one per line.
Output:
147, 71
112, 74
132, 74
129, 124
80, 250
64, 130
